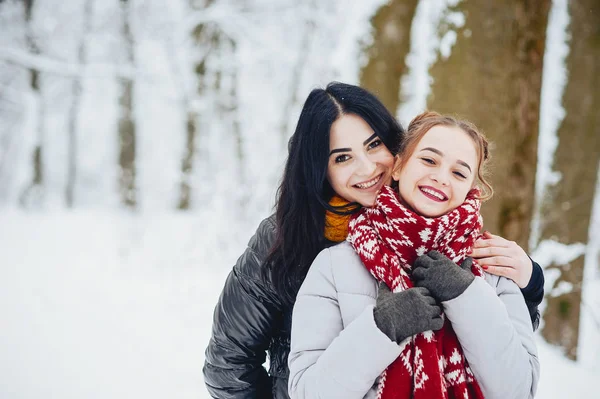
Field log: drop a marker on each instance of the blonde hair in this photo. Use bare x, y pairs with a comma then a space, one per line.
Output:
422, 123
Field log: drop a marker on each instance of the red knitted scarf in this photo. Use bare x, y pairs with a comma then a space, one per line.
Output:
388, 238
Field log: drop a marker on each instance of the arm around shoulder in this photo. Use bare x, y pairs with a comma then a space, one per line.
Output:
534, 293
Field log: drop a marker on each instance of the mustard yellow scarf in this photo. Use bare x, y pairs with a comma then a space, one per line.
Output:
336, 226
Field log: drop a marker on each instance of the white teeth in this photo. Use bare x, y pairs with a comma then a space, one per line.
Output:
369, 183
434, 193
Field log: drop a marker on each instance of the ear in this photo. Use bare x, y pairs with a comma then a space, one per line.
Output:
396, 170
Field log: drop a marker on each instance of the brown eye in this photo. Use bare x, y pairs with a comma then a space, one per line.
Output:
428, 160
342, 158
374, 144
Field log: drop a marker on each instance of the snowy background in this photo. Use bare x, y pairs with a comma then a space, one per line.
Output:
98, 301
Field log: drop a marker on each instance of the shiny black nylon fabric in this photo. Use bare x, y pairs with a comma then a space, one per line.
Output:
249, 321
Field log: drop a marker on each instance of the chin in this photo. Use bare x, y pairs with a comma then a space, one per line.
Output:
366, 202
430, 213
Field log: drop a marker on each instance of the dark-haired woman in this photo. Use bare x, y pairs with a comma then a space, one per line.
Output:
253, 314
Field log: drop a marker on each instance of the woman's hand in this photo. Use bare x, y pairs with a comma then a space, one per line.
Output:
503, 258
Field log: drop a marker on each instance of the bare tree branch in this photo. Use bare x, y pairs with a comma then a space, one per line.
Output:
63, 68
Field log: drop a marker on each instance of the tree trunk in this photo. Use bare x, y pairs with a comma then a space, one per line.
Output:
185, 194
391, 44
218, 89
493, 78
568, 206
203, 37
127, 130
77, 90
229, 109
33, 193
193, 119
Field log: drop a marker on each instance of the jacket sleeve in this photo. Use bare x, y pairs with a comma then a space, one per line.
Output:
534, 294
243, 323
494, 328
328, 360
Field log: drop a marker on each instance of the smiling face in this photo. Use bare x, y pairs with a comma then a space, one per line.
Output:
437, 176
359, 163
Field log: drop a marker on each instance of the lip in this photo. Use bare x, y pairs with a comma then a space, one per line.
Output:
374, 187
433, 197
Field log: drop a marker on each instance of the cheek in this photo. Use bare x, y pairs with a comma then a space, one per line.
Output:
389, 161
402, 191
463, 190
386, 159
337, 176
332, 177
412, 171
471, 184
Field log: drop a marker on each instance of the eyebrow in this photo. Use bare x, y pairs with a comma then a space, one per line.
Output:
367, 141
339, 150
435, 150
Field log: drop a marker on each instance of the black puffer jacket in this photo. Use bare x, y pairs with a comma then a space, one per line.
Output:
251, 321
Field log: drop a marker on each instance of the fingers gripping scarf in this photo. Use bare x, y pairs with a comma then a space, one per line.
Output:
388, 238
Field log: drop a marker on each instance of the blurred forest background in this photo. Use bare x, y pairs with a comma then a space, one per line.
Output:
151, 106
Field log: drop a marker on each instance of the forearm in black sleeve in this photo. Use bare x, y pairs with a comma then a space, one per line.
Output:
534, 294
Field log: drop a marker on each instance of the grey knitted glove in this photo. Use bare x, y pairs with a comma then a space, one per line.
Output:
402, 314
442, 277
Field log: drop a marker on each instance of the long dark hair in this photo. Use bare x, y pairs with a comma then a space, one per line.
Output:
304, 193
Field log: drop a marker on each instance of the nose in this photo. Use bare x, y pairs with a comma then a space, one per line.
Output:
440, 177
367, 166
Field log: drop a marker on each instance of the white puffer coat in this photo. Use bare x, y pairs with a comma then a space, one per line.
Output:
337, 351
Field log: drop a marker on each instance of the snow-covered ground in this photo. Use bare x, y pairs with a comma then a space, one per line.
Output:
99, 305
107, 305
